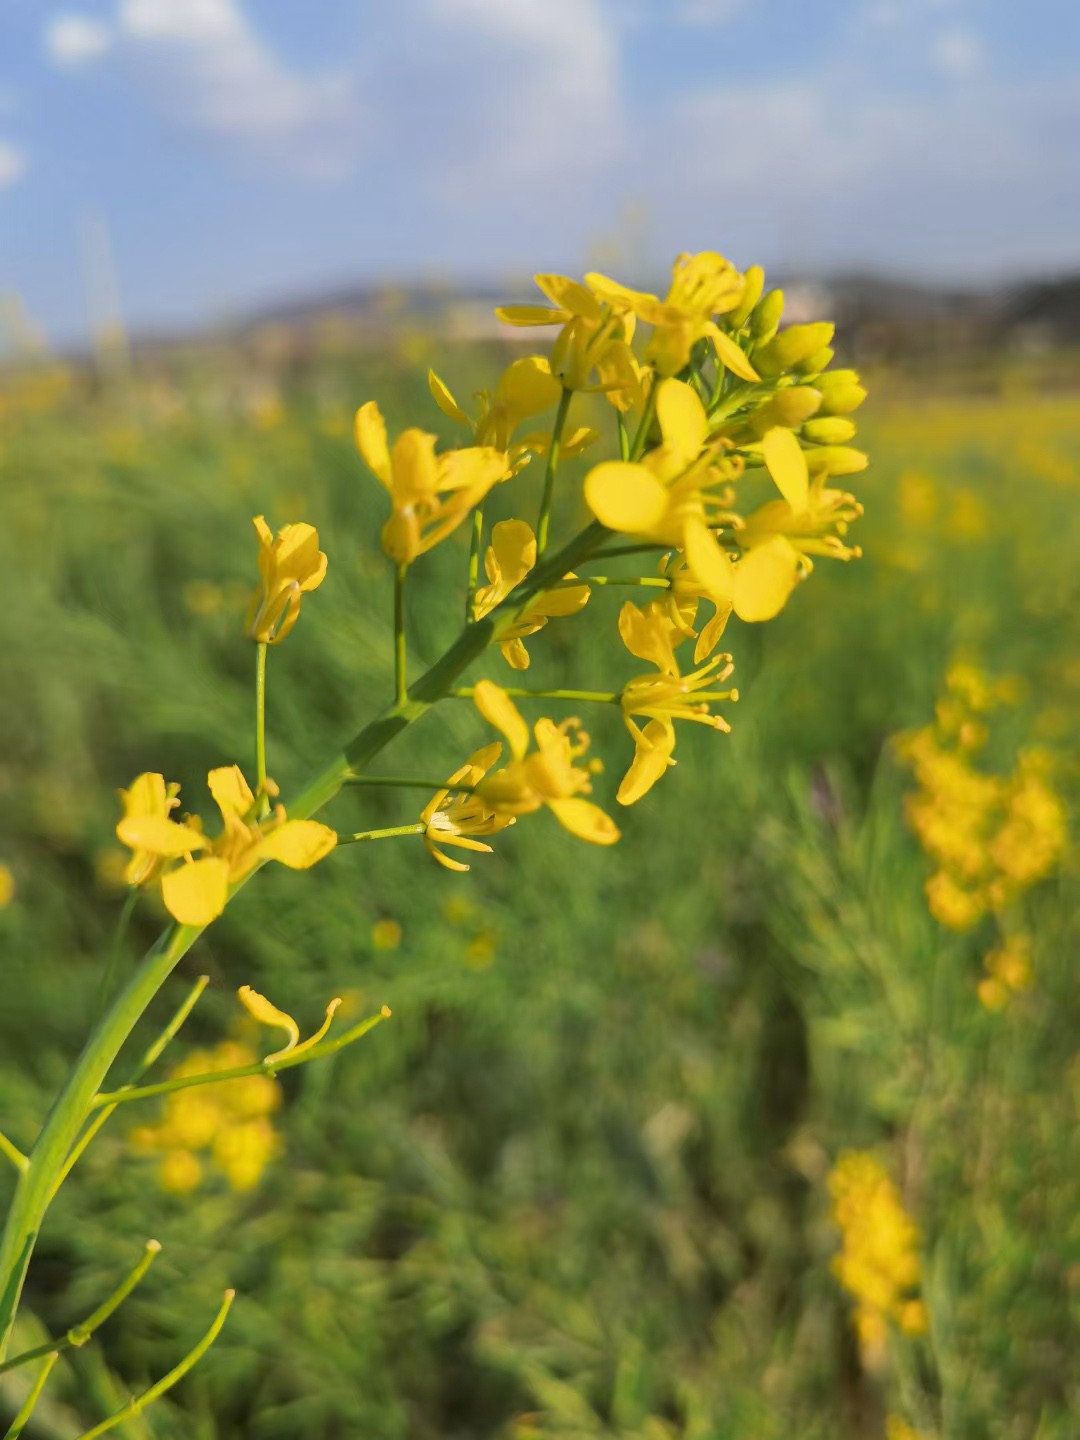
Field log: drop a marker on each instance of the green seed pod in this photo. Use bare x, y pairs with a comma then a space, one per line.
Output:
830, 431
753, 284
767, 315
792, 346
841, 392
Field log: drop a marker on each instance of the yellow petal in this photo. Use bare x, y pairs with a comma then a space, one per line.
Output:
371, 440
712, 633
444, 400
196, 893
585, 820
299, 844
614, 293
513, 550
683, 422
260, 1009
231, 792
159, 836
765, 578
531, 315
626, 497
527, 387
147, 795
731, 356
499, 710
708, 563
785, 460
653, 756
569, 295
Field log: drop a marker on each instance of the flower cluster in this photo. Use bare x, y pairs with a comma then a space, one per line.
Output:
224, 1127
990, 837
878, 1264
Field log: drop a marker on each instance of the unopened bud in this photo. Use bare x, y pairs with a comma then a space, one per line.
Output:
753, 284
837, 460
767, 315
832, 430
841, 392
788, 408
819, 361
792, 346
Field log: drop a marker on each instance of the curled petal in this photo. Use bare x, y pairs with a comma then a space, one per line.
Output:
653, 756
785, 460
260, 1009
731, 356
765, 578
499, 710
371, 440
159, 836
445, 401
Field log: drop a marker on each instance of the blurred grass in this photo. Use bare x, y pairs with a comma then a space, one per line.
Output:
576, 1186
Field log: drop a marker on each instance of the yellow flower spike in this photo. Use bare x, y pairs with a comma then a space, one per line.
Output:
590, 327
430, 494
785, 461
291, 565
260, 1009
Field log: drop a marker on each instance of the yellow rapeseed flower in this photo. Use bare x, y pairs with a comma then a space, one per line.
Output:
291, 564
195, 890
591, 331
509, 559
431, 494
548, 775
457, 816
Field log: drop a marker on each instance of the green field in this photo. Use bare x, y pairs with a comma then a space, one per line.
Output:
577, 1186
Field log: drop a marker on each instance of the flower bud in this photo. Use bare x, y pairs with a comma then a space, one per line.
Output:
787, 407
841, 392
829, 431
792, 346
816, 363
837, 460
767, 315
753, 284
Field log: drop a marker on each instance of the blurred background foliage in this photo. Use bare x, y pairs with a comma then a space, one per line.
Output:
577, 1186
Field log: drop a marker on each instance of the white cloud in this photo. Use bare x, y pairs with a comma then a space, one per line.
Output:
13, 164
72, 39
957, 52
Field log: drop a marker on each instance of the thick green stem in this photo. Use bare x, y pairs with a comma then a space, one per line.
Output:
544, 523
400, 683
65, 1120
116, 950
260, 726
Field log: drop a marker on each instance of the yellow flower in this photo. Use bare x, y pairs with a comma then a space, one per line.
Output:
195, 890
878, 1263
260, 1009
456, 816
702, 286
7, 886
663, 698
667, 498
291, 564
526, 388
430, 494
509, 558
547, 775
590, 330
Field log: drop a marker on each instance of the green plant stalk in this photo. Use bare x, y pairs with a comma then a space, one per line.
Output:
65, 1119
544, 523
260, 726
13, 1153
190, 1360
476, 544
391, 832
400, 683
30, 1403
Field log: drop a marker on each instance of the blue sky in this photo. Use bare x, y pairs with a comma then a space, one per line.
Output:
245, 150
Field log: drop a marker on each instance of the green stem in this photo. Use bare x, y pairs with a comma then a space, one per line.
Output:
260, 726
116, 949
190, 1360
30, 1403
624, 436
151, 1057
475, 546
399, 782
400, 684
658, 582
243, 1072
79, 1334
641, 434
388, 834
544, 522
13, 1153
597, 697
71, 1107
